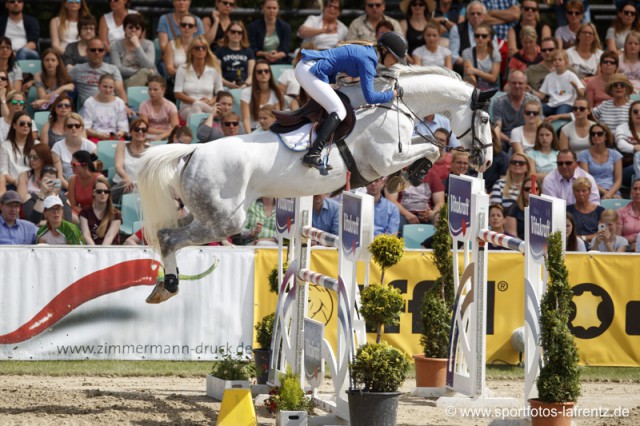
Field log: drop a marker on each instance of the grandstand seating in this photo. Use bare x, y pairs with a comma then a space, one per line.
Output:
614, 203
130, 208
414, 235
31, 66
40, 117
107, 153
194, 122
136, 95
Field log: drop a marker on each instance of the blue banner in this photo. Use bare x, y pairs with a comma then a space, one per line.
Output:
540, 213
459, 207
351, 225
285, 216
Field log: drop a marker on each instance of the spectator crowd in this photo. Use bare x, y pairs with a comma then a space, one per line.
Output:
566, 117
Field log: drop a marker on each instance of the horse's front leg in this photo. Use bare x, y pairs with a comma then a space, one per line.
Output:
168, 286
422, 158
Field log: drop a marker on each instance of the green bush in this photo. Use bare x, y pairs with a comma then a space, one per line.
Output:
442, 255
264, 331
436, 324
274, 285
288, 396
381, 305
387, 251
232, 368
559, 379
379, 367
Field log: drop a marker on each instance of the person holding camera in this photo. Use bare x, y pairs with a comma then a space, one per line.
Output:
606, 240
47, 185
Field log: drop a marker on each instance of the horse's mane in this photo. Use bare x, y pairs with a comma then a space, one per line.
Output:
400, 70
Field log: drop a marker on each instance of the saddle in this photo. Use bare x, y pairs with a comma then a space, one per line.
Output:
313, 112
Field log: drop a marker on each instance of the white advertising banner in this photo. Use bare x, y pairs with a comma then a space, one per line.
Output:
89, 303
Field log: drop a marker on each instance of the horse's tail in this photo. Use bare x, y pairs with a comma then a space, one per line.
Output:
158, 184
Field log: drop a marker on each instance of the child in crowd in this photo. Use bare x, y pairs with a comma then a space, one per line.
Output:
265, 118
606, 239
560, 88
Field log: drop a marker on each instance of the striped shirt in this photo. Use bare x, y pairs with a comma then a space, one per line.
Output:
496, 196
612, 115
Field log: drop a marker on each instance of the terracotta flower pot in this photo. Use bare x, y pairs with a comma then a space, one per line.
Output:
430, 372
551, 414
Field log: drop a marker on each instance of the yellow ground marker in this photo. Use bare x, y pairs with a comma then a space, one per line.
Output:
237, 409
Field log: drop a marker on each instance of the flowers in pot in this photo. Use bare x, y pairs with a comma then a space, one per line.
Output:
230, 372
261, 355
559, 379
435, 312
377, 372
289, 402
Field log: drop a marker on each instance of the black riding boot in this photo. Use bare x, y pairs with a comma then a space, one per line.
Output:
313, 157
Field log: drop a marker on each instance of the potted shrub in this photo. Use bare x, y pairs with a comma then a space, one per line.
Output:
288, 401
380, 303
377, 372
435, 313
262, 354
230, 372
559, 380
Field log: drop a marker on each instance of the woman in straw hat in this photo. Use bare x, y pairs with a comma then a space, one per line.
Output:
616, 110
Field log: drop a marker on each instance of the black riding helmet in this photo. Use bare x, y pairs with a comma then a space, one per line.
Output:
396, 44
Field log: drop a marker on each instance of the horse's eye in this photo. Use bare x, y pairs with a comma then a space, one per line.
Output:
485, 120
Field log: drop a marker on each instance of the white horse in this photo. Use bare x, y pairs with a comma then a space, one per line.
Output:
218, 181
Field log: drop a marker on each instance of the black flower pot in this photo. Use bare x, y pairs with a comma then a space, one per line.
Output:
261, 357
373, 408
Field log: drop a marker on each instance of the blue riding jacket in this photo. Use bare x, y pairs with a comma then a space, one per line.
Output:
355, 61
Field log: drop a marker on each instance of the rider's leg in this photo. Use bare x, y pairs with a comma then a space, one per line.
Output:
324, 94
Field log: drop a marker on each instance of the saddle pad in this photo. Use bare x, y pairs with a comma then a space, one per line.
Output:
297, 140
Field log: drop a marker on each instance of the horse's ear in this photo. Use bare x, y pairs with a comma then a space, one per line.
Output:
486, 95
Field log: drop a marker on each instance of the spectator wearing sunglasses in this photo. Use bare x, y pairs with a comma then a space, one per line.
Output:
175, 54
134, 55
23, 29
514, 223
603, 162
217, 25
54, 129
236, 58
566, 34
615, 111
128, 155
624, 22
15, 151
30, 181
559, 182
523, 138
73, 141
363, 27
86, 76
211, 128
575, 135
628, 143
595, 91
230, 124
15, 103
100, 223
530, 17
169, 24
505, 191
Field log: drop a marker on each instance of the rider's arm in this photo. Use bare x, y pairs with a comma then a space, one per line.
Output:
366, 83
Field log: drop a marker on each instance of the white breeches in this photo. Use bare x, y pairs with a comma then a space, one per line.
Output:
320, 91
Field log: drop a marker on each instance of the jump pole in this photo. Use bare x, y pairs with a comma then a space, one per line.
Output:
468, 224
299, 341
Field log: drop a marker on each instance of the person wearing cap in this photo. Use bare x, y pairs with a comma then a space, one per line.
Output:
14, 231
316, 70
615, 111
57, 230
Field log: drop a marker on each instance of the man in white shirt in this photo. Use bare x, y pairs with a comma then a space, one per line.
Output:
23, 30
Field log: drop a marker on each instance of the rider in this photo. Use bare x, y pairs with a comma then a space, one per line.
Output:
317, 69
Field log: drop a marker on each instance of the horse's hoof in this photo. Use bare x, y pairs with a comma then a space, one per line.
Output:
396, 184
160, 294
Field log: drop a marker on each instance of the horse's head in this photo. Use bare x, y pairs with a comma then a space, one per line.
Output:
478, 139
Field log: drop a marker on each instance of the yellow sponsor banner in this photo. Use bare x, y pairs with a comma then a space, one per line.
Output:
606, 296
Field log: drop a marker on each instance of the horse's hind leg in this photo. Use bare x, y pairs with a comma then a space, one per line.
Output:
172, 240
